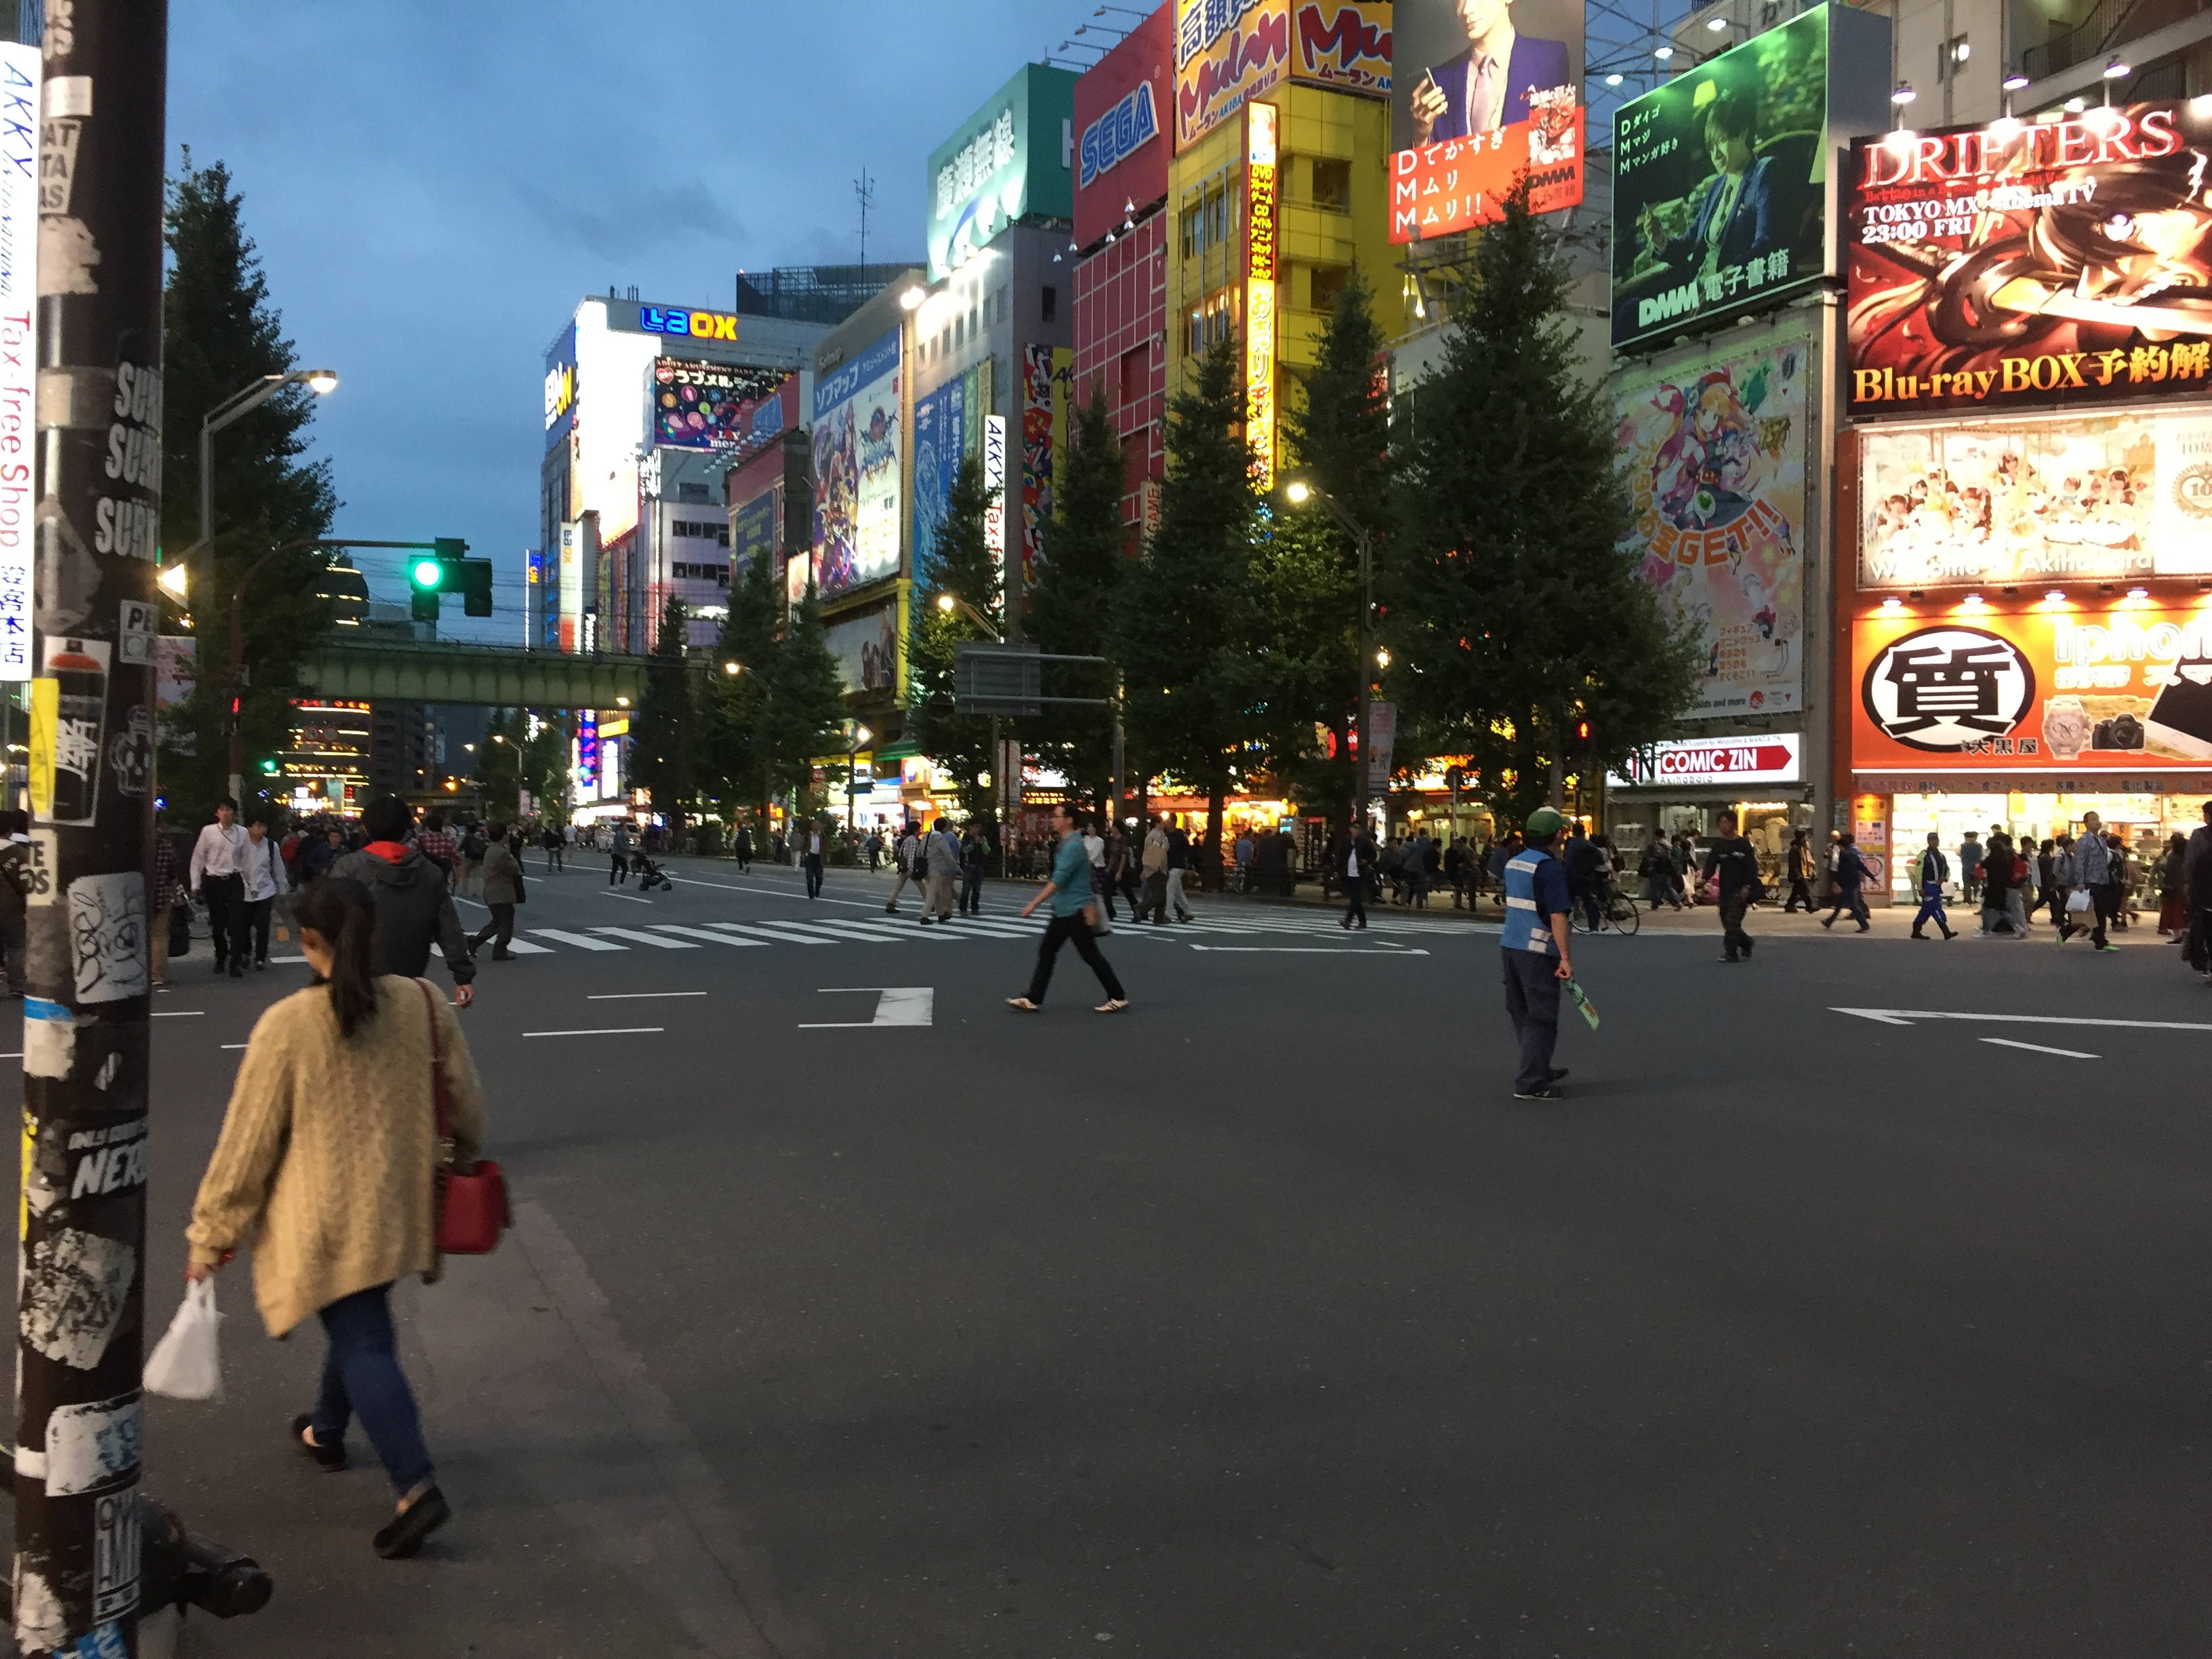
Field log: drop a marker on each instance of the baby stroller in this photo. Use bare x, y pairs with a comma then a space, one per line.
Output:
649, 875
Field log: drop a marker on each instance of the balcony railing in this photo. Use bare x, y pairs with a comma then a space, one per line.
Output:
2109, 24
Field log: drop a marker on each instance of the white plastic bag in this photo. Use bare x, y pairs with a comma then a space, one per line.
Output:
2077, 902
187, 1363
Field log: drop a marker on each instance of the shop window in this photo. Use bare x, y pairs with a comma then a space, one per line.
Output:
1328, 283
1332, 183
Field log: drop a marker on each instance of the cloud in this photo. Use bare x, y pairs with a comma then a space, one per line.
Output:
642, 218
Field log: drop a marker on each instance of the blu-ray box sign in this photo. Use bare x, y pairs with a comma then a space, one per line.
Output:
2048, 262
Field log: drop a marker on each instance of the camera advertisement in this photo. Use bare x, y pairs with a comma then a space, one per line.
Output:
2061, 690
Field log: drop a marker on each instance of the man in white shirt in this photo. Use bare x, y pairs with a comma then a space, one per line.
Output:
218, 876
263, 874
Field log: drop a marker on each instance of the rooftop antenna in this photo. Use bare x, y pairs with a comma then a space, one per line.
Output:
863, 189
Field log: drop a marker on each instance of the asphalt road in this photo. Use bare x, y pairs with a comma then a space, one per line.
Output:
1259, 1320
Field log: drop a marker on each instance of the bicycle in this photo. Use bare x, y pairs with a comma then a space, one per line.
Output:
1617, 911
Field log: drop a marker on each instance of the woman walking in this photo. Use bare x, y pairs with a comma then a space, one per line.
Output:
502, 891
327, 1167
1069, 889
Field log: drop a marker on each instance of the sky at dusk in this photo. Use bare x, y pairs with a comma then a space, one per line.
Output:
434, 187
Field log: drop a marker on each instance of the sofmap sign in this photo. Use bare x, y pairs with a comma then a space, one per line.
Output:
2050, 262
1772, 757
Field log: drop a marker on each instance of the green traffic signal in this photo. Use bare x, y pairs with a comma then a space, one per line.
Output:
429, 575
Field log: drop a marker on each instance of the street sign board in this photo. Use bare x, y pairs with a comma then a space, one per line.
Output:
998, 679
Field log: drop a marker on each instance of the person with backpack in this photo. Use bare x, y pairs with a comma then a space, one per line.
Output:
327, 1166
1798, 864
474, 844
413, 907
263, 878
1654, 866
1934, 870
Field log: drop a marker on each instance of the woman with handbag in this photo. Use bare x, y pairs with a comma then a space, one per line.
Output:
328, 1166
1075, 916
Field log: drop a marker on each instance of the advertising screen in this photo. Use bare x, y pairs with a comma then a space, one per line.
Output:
856, 470
2063, 690
2021, 501
1122, 144
1228, 52
1047, 374
1712, 447
2053, 262
561, 387
1483, 92
1720, 185
1013, 157
702, 405
865, 648
752, 532
939, 433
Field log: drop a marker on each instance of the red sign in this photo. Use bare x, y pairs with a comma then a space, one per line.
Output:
2046, 262
1122, 104
1464, 182
1770, 759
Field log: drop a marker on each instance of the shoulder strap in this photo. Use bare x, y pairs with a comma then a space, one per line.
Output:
437, 1062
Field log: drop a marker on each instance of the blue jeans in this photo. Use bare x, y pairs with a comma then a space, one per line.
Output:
360, 1373
971, 892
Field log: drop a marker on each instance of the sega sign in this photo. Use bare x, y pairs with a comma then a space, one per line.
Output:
696, 324
1119, 134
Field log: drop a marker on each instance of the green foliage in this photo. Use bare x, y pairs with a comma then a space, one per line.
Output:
1307, 579
1509, 603
1185, 621
1071, 607
510, 760
220, 334
805, 712
962, 567
663, 727
735, 756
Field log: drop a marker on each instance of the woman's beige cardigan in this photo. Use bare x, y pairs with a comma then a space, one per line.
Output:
326, 1161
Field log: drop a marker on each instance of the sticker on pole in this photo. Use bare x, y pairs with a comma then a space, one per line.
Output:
115, 1552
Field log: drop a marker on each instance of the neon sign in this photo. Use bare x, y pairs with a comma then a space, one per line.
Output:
698, 324
1260, 293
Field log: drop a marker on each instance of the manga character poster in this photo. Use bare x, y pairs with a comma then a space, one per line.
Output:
856, 470
940, 428
1048, 373
1711, 446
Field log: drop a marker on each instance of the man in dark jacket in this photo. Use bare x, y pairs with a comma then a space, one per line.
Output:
1732, 865
413, 907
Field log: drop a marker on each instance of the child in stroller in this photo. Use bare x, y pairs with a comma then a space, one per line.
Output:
649, 875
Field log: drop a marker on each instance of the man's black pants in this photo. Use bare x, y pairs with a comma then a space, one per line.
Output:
225, 903
1063, 930
1532, 997
499, 929
814, 875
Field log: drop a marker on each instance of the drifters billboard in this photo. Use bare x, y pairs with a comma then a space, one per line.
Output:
2058, 262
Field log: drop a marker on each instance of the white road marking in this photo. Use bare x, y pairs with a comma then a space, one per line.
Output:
895, 1004
629, 897
183, 1013
581, 941
643, 938
240, 1045
2042, 1049
1907, 1016
1305, 950
638, 996
523, 947
767, 932
604, 1030
701, 933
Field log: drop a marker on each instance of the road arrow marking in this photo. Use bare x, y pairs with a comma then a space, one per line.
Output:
1305, 950
2042, 1049
1907, 1016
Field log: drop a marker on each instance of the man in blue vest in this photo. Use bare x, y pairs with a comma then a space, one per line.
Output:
1535, 954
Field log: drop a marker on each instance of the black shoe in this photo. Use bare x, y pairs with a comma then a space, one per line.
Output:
1545, 1093
329, 1459
1747, 949
403, 1533
1827, 922
237, 970
1917, 933
1866, 927
1558, 1073
502, 956
1731, 959
260, 962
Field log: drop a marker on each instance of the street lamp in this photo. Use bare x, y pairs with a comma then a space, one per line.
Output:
732, 668
1299, 492
949, 602
859, 736
320, 381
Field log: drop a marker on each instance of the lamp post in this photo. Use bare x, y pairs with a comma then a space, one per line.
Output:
859, 735
1300, 492
239, 405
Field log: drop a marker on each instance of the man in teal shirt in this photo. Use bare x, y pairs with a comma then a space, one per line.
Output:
1069, 890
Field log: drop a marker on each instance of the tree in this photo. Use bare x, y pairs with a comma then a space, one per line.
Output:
1513, 612
1071, 608
805, 711
731, 739
962, 567
663, 727
1184, 621
222, 334
1308, 582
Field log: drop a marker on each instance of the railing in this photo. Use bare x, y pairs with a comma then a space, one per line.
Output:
2100, 31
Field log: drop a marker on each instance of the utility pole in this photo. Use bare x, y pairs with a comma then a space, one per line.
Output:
85, 1053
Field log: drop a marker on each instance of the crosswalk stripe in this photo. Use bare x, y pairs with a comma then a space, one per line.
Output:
580, 941
523, 947
701, 932
643, 938
866, 932
771, 932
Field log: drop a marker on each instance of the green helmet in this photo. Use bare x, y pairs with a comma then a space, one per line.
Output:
1544, 822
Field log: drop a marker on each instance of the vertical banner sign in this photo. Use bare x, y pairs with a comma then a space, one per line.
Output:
96, 478
19, 353
1259, 295
994, 481
571, 606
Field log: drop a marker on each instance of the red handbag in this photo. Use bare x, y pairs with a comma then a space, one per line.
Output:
472, 1209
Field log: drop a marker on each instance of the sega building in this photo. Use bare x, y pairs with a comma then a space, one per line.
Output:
1122, 104
2024, 494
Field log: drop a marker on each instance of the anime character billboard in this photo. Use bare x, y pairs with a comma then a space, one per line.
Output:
856, 470
1711, 446
2052, 262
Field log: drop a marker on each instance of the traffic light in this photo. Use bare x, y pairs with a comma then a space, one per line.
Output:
447, 569
1582, 733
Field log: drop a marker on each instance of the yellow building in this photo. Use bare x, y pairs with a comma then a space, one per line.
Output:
1330, 198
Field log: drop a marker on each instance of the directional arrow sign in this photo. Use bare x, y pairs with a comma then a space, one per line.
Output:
1907, 1016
